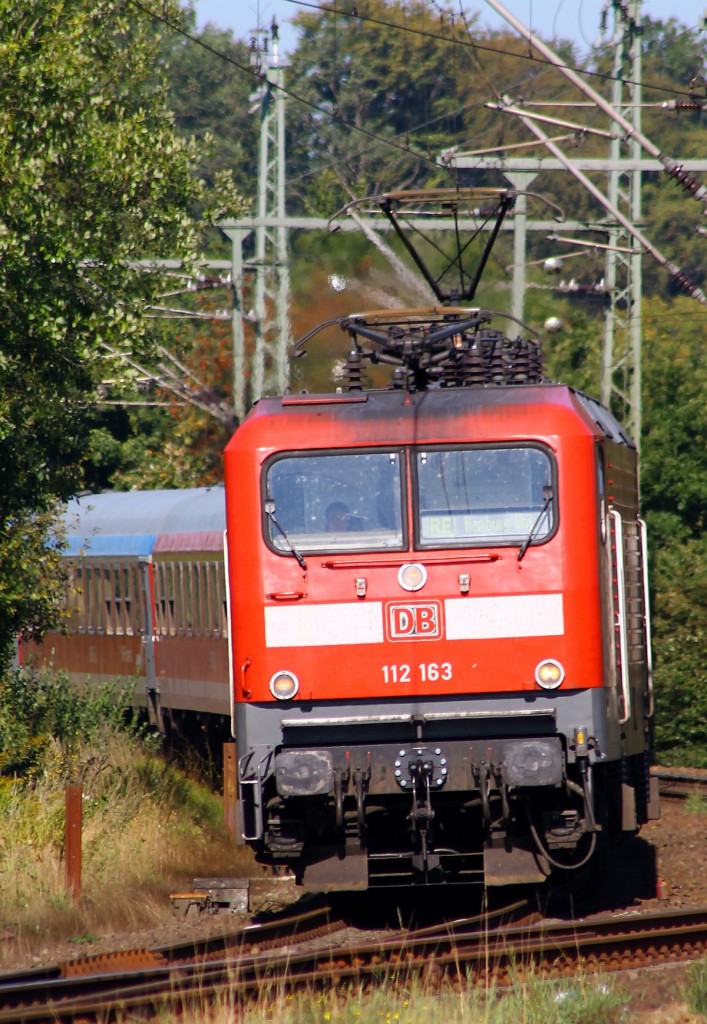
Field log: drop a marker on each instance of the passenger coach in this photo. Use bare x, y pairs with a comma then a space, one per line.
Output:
147, 601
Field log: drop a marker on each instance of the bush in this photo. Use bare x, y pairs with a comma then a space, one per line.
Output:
679, 585
41, 711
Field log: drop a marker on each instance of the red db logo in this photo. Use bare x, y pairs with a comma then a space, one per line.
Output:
414, 621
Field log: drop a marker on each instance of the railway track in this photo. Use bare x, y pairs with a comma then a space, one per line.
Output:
316, 949
680, 783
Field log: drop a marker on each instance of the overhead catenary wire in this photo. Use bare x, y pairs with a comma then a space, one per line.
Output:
356, 15
420, 126
672, 167
675, 170
550, 60
473, 45
257, 76
678, 275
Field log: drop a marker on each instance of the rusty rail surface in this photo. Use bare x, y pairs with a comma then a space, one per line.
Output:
95, 984
470, 949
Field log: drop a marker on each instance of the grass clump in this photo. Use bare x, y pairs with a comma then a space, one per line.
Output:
532, 1001
687, 755
696, 992
696, 803
582, 1000
146, 827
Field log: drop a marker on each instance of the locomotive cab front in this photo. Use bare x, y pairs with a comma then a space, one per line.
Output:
435, 675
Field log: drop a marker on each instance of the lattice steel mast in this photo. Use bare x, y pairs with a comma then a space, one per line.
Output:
621, 355
269, 365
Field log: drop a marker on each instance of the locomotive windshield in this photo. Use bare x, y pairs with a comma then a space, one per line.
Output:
346, 502
483, 496
354, 501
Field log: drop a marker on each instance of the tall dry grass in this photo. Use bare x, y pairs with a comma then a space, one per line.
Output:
583, 1000
148, 829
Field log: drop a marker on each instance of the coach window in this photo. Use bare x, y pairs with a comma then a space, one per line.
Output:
92, 597
499, 495
346, 502
76, 599
120, 603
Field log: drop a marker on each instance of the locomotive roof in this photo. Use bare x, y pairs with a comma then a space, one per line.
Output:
146, 522
440, 413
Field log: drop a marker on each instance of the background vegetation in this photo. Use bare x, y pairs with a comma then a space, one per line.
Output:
123, 137
95, 178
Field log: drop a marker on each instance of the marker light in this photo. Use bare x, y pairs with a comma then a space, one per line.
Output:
412, 576
284, 685
549, 674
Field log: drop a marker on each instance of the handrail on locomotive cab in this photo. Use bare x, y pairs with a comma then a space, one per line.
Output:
256, 781
620, 611
647, 617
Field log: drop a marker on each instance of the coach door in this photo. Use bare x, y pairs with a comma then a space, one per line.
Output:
147, 594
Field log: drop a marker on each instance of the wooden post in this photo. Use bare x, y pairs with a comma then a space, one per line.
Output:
72, 839
230, 787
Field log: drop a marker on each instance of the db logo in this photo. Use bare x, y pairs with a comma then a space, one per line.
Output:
414, 621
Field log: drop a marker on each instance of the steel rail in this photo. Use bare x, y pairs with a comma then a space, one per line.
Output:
139, 976
600, 943
680, 783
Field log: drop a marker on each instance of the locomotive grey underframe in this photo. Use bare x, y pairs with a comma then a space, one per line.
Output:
466, 733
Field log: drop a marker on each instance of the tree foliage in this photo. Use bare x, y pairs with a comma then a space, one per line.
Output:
209, 94
674, 464
674, 490
41, 714
94, 179
679, 586
33, 576
374, 99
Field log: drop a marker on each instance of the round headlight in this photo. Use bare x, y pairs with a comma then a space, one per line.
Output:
549, 674
284, 685
412, 576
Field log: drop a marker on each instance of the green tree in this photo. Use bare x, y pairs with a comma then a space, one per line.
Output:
94, 179
674, 498
155, 439
209, 91
397, 86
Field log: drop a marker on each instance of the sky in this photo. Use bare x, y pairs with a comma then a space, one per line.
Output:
577, 20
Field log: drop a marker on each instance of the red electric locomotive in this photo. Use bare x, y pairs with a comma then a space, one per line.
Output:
440, 642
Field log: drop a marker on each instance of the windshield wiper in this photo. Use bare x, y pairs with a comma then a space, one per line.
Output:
547, 494
270, 513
